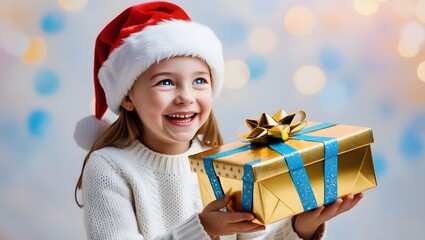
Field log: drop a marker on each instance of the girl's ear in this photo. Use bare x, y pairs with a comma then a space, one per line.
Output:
127, 104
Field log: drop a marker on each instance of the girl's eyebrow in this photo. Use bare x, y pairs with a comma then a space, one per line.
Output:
171, 74
201, 73
159, 74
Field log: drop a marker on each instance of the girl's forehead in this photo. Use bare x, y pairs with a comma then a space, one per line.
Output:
180, 64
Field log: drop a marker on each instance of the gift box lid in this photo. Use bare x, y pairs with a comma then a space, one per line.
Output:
229, 160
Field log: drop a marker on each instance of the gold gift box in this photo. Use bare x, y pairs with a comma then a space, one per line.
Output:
274, 195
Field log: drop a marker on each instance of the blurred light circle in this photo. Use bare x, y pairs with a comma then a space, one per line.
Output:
299, 20
39, 123
411, 145
420, 10
366, 7
412, 140
52, 22
257, 66
15, 43
36, 51
234, 31
334, 96
407, 50
73, 5
421, 71
237, 74
413, 33
20, 15
412, 37
262, 40
330, 58
46, 82
380, 164
309, 79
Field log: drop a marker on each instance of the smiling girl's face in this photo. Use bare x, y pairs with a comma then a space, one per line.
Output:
173, 99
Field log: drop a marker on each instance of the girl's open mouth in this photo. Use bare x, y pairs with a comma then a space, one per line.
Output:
181, 118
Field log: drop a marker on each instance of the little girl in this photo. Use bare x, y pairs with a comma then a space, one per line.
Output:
159, 72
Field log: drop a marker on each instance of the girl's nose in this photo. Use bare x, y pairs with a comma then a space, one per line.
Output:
184, 95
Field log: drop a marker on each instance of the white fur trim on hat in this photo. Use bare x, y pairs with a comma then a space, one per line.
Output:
152, 44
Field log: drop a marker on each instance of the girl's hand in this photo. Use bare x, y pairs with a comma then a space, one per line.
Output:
218, 223
306, 223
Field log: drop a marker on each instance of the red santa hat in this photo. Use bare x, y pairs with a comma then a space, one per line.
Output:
140, 36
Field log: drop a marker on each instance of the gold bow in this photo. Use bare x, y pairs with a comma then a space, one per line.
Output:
277, 128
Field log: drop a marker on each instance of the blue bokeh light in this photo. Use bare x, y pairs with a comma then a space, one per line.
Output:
233, 31
411, 146
52, 22
380, 164
39, 123
330, 59
14, 143
412, 139
46, 82
257, 66
334, 96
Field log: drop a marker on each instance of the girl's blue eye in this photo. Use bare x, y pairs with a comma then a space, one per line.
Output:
165, 82
200, 81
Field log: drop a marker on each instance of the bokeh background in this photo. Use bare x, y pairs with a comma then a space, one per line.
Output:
358, 62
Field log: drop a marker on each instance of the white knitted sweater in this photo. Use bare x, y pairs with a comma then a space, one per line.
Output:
136, 193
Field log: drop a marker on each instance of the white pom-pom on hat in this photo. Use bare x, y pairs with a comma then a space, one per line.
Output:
88, 129
140, 36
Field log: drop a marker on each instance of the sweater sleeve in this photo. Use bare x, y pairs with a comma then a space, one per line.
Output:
282, 230
109, 210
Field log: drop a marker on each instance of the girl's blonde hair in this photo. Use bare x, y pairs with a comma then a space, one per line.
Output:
128, 128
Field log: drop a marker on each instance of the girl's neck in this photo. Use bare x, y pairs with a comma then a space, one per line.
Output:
168, 148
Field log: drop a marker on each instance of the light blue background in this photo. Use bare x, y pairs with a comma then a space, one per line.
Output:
368, 84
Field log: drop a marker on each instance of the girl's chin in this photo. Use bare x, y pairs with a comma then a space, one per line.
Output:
184, 138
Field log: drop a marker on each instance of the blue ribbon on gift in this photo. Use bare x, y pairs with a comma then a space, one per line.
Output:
331, 159
248, 185
298, 174
295, 165
209, 168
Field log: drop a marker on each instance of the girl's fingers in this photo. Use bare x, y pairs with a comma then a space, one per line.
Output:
217, 204
349, 202
245, 227
355, 200
325, 213
227, 217
346, 202
316, 212
330, 210
235, 217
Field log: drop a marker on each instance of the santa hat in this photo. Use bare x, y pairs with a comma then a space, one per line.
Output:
140, 36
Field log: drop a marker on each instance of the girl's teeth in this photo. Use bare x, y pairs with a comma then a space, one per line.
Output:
181, 116
183, 120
